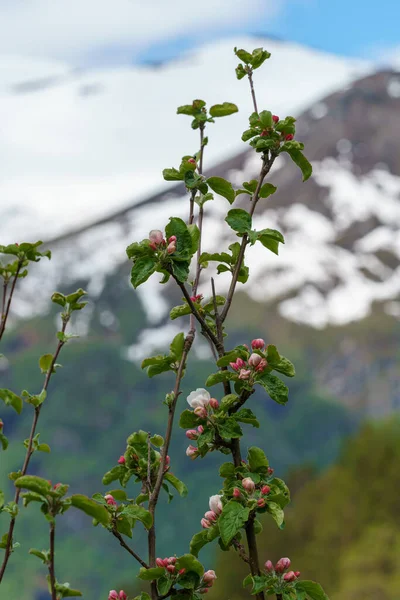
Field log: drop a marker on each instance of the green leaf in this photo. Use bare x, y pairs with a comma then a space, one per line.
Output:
228, 401
231, 520
177, 346
180, 270
245, 56
43, 555
257, 460
177, 484
199, 540
222, 187
164, 585
11, 399
119, 495
58, 298
259, 56
190, 563
124, 525
179, 311
260, 582
298, 158
195, 235
142, 269
221, 256
265, 117
138, 512
2, 499
220, 377
276, 389
157, 440
43, 448
240, 72
312, 589
245, 415
143, 596
33, 484
285, 367
277, 513
3, 441
115, 473
188, 419
151, 574
227, 469
173, 175
267, 190
91, 508
239, 220
247, 135
270, 238
230, 428
223, 110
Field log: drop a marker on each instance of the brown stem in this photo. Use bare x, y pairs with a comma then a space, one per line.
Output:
122, 542
241, 551
279, 597
51, 561
148, 464
161, 470
266, 166
29, 451
4, 314
253, 94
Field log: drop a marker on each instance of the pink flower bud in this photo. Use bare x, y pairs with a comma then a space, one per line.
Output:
261, 503
205, 523
264, 133
209, 577
261, 365
289, 137
167, 460
297, 574
200, 429
258, 344
265, 490
211, 516
200, 411
153, 246
275, 118
270, 470
269, 566
181, 571
192, 452
172, 238
215, 504
282, 565
121, 460
192, 161
255, 360
171, 247
236, 492
171, 568
289, 576
56, 486
240, 362
244, 373
172, 560
166, 562
197, 298
1, 424
113, 595
214, 403
159, 562
248, 485
192, 434
156, 236
110, 500
234, 366
122, 595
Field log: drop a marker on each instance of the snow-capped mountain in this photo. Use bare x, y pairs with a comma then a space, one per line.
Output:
78, 145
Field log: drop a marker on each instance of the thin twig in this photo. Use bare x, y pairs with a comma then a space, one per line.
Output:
51, 561
4, 315
148, 463
253, 94
122, 542
29, 451
241, 551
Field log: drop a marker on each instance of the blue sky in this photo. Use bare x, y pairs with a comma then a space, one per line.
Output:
96, 32
357, 28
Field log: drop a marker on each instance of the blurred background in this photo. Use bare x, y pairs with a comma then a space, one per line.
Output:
88, 97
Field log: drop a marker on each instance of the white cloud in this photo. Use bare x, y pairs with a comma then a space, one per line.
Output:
72, 29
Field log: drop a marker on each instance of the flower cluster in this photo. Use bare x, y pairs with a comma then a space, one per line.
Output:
114, 595
281, 570
256, 362
207, 581
157, 241
203, 405
169, 565
211, 516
